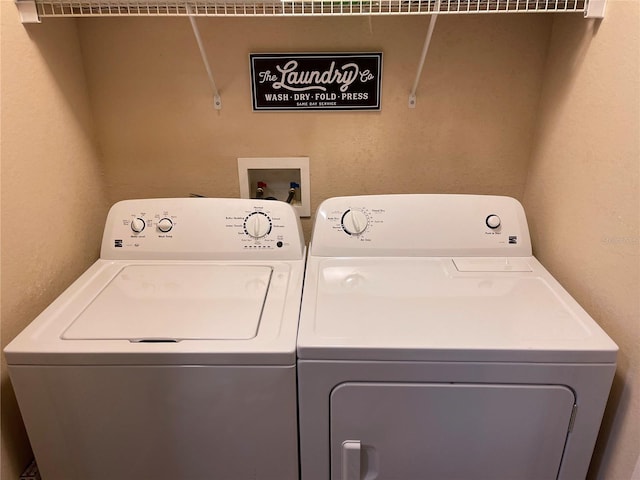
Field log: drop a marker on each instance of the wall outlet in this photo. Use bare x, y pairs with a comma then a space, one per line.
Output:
278, 174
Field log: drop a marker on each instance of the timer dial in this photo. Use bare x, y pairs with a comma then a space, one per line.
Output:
257, 225
165, 225
354, 222
137, 225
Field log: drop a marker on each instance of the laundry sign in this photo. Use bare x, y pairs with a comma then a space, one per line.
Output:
316, 81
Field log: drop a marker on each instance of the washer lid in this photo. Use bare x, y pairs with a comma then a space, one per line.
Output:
165, 303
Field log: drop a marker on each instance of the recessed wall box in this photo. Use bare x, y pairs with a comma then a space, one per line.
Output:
283, 176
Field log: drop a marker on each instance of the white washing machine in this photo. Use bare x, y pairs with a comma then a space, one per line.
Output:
173, 356
433, 345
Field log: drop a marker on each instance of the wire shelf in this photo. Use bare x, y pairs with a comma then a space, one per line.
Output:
231, 8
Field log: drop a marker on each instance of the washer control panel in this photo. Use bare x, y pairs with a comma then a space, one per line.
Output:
421, 225
258, 224
142, 224
202, 228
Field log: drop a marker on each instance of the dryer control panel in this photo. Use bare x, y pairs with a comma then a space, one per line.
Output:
201, 229
421, 225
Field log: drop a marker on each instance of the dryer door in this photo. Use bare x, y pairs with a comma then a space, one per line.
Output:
399, 431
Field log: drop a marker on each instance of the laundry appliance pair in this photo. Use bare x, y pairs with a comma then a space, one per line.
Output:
430, 344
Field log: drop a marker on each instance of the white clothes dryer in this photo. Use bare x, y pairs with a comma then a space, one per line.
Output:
433, 345
173, 356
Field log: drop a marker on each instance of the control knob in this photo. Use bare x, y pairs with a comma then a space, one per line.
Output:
493, 221
137, 224
165, 225
354, 222
257, 225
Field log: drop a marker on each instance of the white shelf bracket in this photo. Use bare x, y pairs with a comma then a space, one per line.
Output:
28, 11
595, 9
217, 104
425, 49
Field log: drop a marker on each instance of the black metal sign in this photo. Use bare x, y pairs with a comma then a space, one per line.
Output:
316, 81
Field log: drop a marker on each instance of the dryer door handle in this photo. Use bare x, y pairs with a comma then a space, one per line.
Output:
351, 460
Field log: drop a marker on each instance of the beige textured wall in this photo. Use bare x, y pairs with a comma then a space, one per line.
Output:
471, 132
53, 201
583, 201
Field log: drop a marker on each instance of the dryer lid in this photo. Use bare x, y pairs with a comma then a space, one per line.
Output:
431, 309
173, 302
